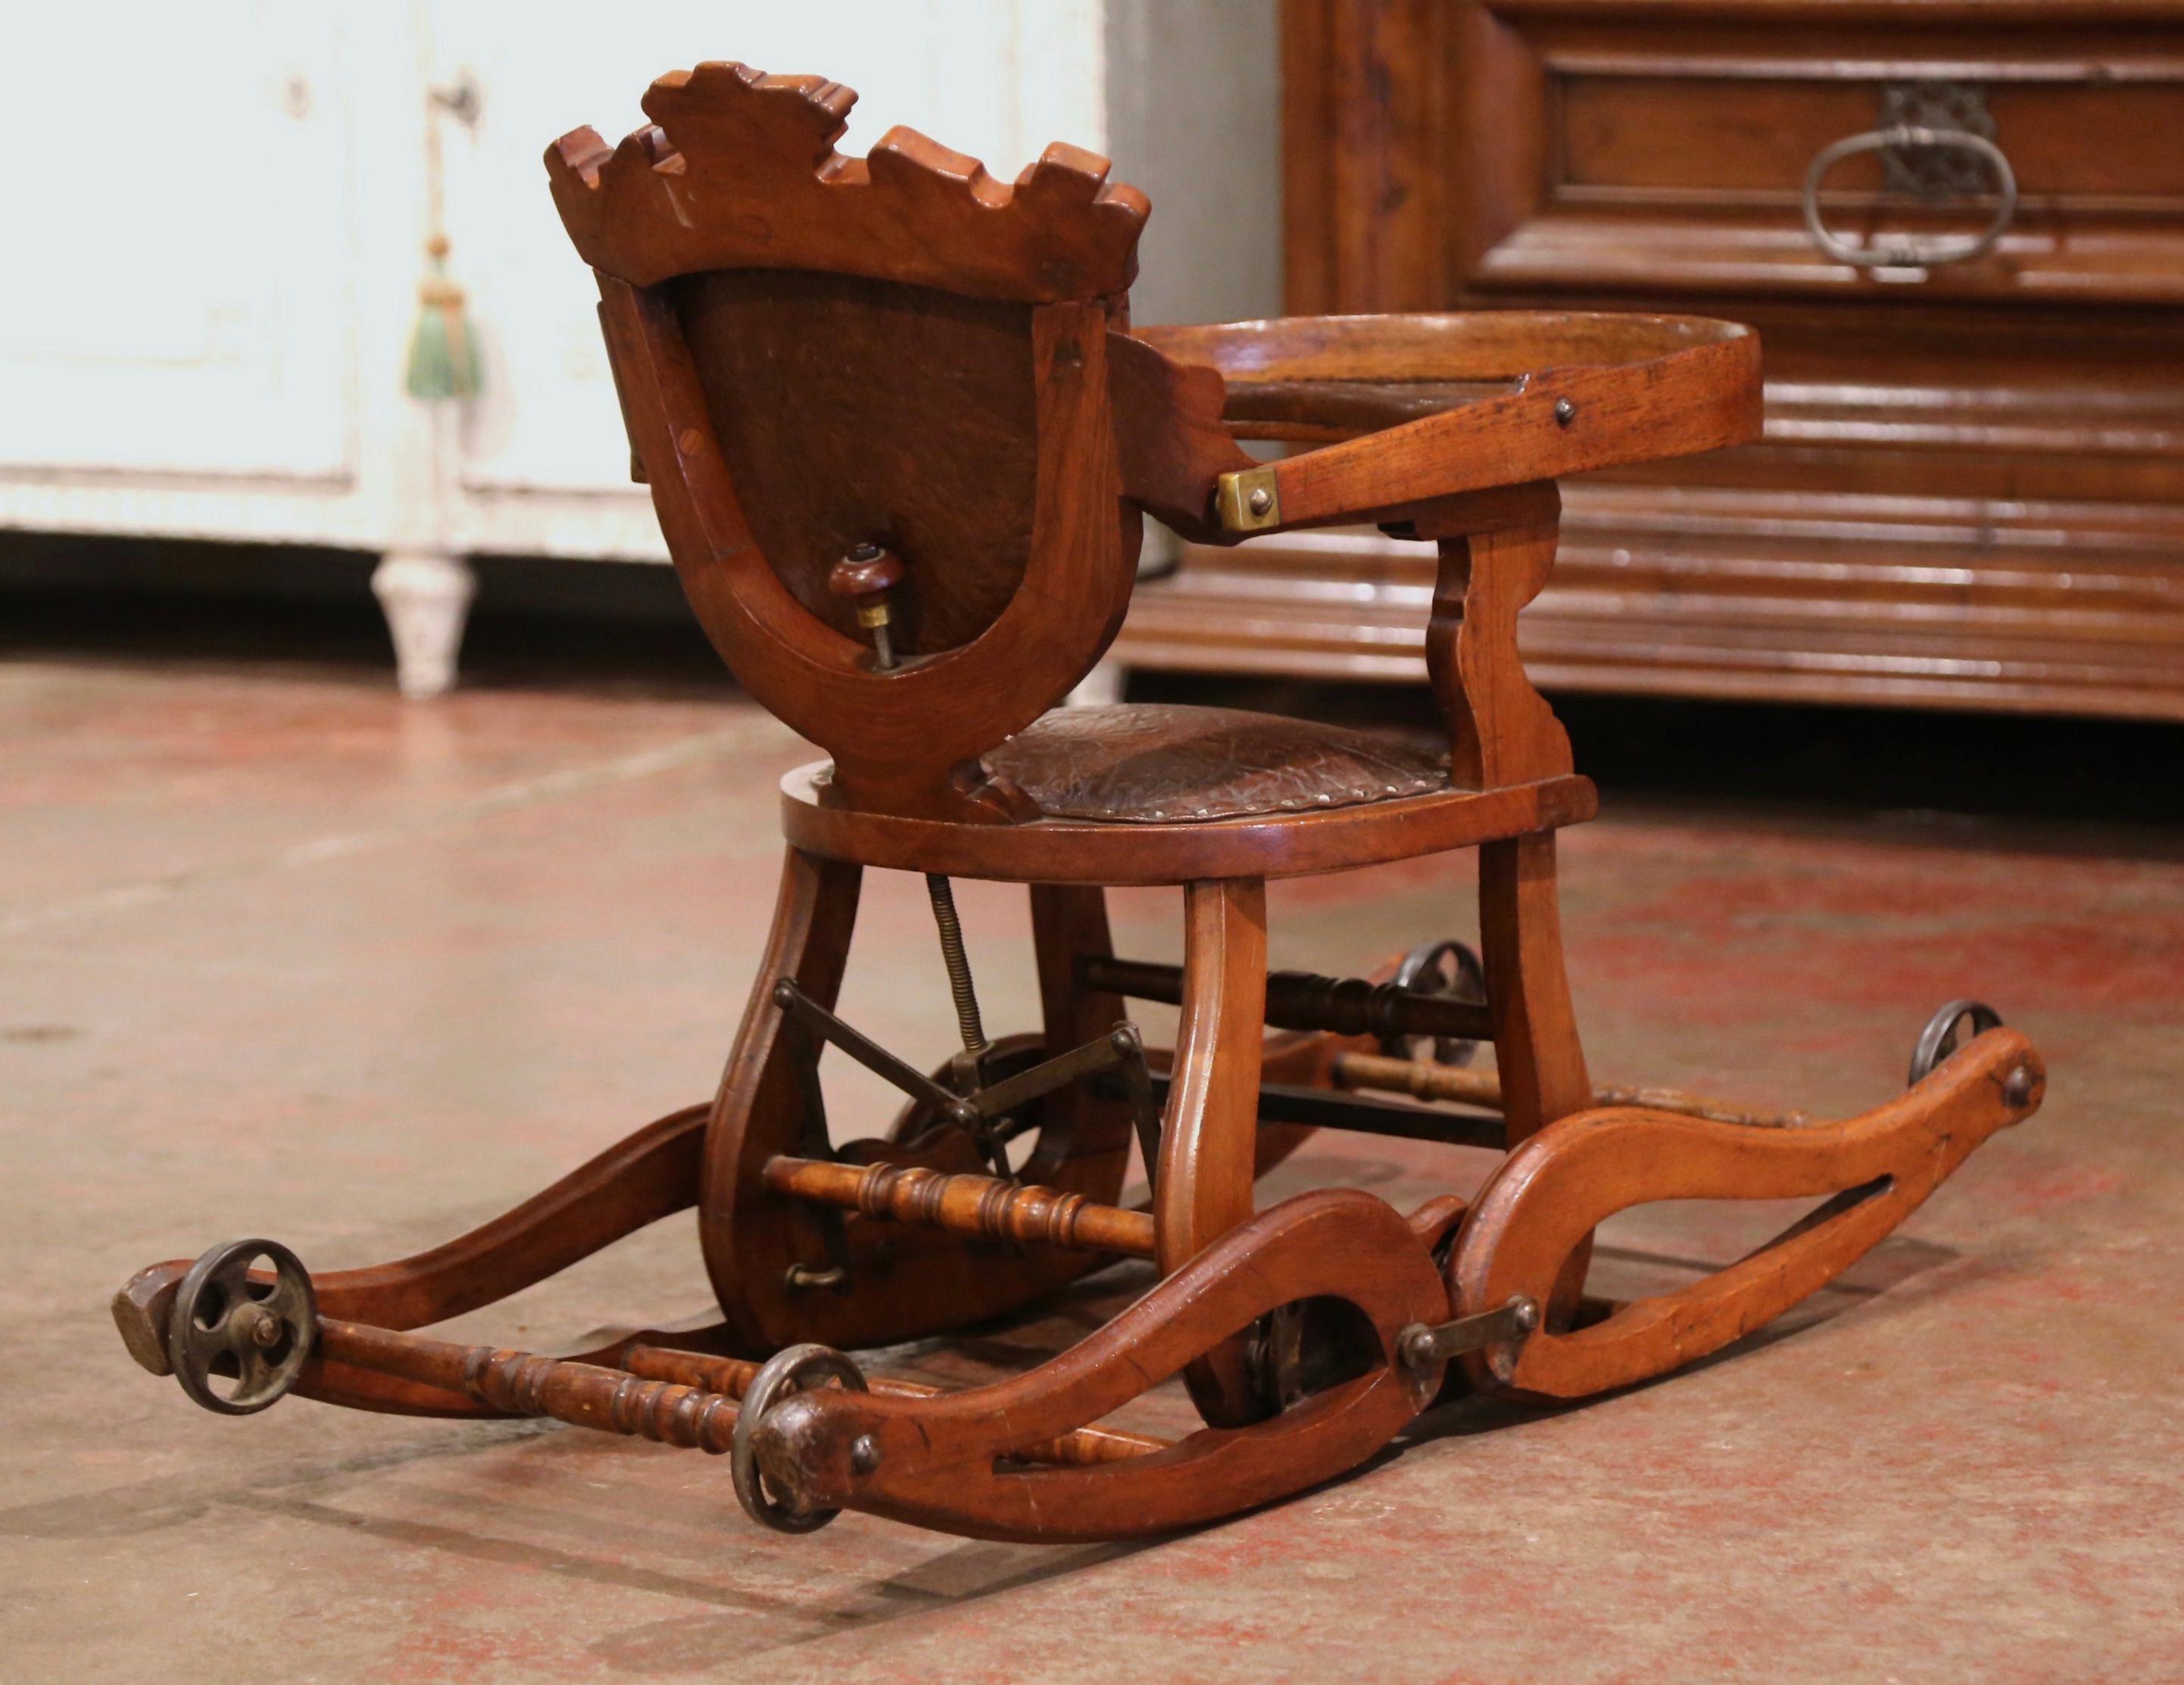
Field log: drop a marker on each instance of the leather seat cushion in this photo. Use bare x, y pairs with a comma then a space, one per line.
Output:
1153, 763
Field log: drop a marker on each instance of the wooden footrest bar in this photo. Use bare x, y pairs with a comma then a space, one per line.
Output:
685, 1399
1084, 1448
523, 1384
982, 1207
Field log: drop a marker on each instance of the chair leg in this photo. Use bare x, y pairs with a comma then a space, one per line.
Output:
749, 1242
900, 1282
1209, 1139
1536, 1040
1537, 1050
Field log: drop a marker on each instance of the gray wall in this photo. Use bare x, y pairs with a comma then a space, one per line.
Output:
1194, 117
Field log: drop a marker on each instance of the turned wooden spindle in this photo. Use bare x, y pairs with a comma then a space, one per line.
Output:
523, 1384
867, 576
981, 1207
687, 1399
1084, 1448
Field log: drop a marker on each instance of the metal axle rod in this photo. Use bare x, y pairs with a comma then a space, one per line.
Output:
1430, 1081
1281, 1103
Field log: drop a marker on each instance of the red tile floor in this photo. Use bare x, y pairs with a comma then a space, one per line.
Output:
279, 955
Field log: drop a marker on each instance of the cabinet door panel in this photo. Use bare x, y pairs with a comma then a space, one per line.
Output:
179, 303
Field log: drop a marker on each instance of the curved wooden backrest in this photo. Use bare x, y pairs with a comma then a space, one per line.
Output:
853, 412
814, 352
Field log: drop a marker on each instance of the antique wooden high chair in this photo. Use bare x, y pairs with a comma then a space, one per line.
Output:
900, 433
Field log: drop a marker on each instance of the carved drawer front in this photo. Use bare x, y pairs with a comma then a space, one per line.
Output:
1997, 157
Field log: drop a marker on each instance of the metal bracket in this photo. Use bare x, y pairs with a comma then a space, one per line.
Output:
1146, 1111
1010, 1093
1248, 499
809, 1015
1421, 1347
982, 1112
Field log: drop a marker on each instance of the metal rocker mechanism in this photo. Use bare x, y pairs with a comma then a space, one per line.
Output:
992, 1110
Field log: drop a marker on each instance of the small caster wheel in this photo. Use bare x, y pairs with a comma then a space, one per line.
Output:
226, 1327
1449, 968
1947, 1031
798, 1370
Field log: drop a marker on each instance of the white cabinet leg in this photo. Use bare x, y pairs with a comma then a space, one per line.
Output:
426, 597
1102, 686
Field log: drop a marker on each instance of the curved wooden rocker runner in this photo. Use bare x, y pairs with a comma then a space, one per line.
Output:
900, 436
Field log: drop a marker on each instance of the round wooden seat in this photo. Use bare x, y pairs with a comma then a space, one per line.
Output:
1144, 762
1258, 825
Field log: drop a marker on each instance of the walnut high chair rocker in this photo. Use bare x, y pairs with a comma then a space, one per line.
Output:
900, 433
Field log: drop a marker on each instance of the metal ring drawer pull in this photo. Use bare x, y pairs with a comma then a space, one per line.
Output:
1910, 251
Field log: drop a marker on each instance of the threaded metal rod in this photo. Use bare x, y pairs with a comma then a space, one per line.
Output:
967, 1020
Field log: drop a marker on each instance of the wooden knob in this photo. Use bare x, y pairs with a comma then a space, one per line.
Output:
865, 572
865, 576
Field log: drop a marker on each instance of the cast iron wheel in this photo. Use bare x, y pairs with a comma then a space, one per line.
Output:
798, 1370
1449, 969
227, 1326
1942, 1036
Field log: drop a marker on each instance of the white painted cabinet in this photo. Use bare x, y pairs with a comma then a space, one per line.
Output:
162, 294
220, 207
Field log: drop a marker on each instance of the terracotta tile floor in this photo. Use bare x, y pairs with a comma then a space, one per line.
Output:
279, 955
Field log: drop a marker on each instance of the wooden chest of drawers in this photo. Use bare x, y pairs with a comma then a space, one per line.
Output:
1971, 489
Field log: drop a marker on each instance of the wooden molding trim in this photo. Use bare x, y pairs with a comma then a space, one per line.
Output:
738, 170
